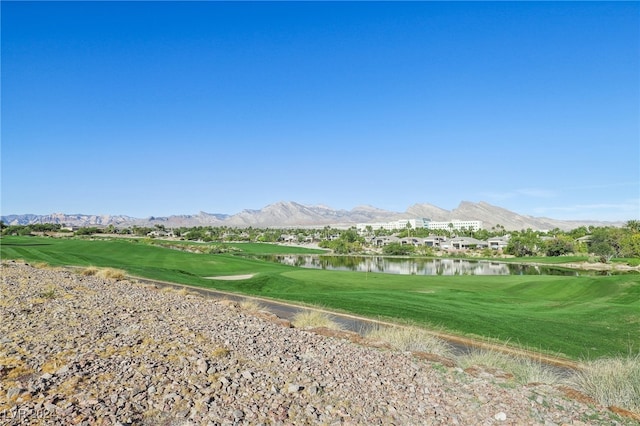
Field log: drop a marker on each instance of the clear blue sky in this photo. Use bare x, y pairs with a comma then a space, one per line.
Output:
160, 108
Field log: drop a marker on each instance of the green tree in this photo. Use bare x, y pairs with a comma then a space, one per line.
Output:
369, 230
87, 230
603, 250
633, 226
524, 243
605, 242
578, 232
481, 234
141, 231
341, 246
17, 230
630, 245
397, 249
350, 235
630, 240
560, 245
424, 250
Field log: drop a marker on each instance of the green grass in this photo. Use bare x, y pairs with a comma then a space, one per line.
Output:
631, 261
244, 248
581, 317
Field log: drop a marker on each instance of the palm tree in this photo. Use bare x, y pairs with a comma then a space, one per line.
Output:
633, 225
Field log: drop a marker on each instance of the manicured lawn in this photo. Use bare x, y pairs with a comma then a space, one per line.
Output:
135, 256
580, 317
245, 248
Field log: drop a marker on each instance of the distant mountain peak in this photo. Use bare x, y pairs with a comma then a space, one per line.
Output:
293, 214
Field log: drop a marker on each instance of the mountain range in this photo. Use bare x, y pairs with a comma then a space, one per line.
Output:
285, 214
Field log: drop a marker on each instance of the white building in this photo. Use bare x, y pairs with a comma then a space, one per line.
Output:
456, 225
402, 224
397, 225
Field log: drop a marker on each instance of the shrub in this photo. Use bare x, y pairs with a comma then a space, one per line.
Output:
559, 246
50, 293
108, 273
611, 381
90, 271
410, 339
524, 370
220, 352
397, 249
312, 319
111, 273
251, 305
88, 231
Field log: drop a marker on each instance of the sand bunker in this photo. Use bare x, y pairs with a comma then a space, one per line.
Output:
231, 277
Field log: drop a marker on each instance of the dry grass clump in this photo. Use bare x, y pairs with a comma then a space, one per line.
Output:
611, 381
49, 293
313, 319
251, 305
182, 291
411, 339
168, 289
220, 352
107, 273
14, 261
112, 273
524, 370
90, 271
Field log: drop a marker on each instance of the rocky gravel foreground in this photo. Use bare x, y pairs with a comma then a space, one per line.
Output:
85, 350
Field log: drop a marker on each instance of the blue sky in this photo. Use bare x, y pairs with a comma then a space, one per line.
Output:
160, 108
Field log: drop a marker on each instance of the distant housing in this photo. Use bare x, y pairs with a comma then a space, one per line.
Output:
398, 225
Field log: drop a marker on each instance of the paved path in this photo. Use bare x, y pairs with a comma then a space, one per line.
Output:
460, 345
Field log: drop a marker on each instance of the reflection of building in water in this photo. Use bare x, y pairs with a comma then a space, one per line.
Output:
491, 268
397, 266
299, 260
434, 267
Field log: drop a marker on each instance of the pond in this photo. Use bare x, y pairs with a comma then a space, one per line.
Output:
418, 266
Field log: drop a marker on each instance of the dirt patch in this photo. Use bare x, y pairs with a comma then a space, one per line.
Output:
231, 277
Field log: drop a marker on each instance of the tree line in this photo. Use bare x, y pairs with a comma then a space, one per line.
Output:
605, 242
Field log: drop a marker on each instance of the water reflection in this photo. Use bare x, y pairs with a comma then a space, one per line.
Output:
416, 266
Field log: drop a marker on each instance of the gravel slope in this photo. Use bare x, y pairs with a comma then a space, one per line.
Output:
85, 350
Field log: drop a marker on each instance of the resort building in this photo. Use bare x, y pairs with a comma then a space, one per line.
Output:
397, 225
402, 224
457, 225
